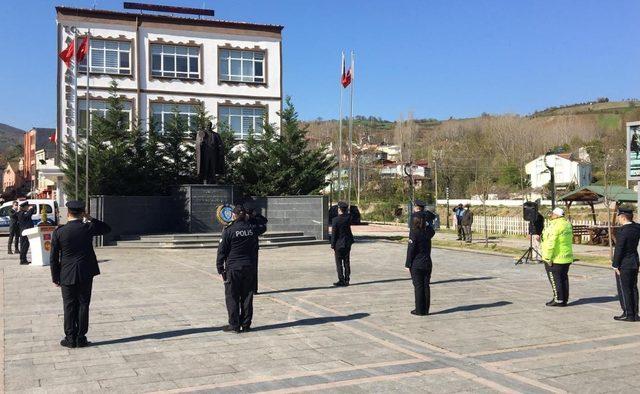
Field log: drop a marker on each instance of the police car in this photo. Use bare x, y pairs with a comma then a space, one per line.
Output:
50, 207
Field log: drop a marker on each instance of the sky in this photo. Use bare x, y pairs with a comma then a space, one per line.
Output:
436, 59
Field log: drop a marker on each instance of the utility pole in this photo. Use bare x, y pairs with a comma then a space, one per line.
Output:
446, 190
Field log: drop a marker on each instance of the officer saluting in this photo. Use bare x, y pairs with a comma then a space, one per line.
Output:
255, 218
236, 262
73, 266
341, 241
25, 222
14, 229
625, 264
428, 216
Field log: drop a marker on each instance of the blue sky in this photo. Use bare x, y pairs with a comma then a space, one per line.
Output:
436, 58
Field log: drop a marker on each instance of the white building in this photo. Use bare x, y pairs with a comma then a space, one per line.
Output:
161, 62
567, 170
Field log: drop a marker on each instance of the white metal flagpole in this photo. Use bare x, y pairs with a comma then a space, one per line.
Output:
351, 129
342, 71
75, 101
88, 125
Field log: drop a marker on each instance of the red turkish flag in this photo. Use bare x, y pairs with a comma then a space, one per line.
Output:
67, 54
54, 137
83, 49
345, 78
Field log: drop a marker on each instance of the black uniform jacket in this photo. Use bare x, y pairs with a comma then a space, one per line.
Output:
13, 220
24, 218
341, 235
239, 245
625, 255
72, 256
419, 248
429, 217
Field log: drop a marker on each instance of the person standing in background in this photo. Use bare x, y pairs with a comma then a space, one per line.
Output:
467, 222
14, 229
457, 214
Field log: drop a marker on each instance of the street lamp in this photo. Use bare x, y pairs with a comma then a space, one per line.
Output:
550, 163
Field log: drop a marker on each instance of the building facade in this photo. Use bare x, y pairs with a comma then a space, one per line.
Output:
12, 176
567, 171
38, 139
165, 63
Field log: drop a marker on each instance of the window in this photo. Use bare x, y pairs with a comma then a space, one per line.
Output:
242, 120
99, 108
175, 61
108, 57
163, 113
242, 66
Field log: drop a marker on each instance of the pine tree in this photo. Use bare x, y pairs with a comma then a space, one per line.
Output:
283, 164
178, 150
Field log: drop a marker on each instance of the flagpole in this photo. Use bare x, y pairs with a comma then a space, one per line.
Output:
88, 127
351, 128
75, 101
340, 132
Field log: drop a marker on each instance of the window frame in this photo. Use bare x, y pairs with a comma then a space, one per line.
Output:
242, 136
161, 130
230, 48
132, 57
82, 107
190, 44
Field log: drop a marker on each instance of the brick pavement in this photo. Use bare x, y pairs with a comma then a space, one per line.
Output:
156, 319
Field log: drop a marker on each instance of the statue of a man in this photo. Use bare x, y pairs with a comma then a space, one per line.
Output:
209, 155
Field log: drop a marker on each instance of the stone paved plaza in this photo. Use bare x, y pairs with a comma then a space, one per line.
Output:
156, 318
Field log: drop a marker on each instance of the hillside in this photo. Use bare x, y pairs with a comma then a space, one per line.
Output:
489, 152
9, 137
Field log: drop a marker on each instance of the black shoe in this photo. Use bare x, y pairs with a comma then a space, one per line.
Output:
16, 251
246, 328
25, 262
82, 342
621, 317
339, 283
229, 328
9, 251
415, 312
550, 303
256, 292
557, 304
629, 318
67, 343
346, 282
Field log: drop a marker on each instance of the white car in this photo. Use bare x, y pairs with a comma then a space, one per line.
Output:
50, 207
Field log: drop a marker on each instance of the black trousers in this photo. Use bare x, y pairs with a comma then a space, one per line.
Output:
627, 283
343, 264
460, 230
255, 288
559, 278
76, 299
421, 279
239, 285
14, 238
24, 248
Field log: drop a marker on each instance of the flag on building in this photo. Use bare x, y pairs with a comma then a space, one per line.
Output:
67, 54
54, 137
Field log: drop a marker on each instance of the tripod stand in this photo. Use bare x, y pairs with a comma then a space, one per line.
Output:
528, 256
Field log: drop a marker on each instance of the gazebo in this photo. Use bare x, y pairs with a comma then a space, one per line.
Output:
594, 193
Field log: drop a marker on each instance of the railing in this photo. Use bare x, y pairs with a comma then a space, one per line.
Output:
511, 225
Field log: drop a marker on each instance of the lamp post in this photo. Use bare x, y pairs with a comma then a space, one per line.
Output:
446, 191
550, 163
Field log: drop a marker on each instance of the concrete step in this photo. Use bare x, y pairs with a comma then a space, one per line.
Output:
214, 245
202, 236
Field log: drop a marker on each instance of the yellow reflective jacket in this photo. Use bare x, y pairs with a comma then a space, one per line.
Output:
557, 242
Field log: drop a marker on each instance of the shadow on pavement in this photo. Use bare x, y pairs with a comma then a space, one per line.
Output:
299, 289
159, 335
311, 321
594, 300
467, 308
190, 331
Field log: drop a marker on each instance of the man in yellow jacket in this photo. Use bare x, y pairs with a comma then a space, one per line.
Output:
557, 253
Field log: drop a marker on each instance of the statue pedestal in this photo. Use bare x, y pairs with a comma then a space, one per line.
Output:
201, 203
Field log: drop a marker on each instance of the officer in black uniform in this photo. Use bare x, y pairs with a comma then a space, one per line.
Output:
341, 241
73, 266
625, 264
236, 263
419, 263
25, 222
255, 218
14, 229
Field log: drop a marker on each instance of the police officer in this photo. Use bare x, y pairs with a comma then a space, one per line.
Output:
255, 218
236, 263
14, 229
419, 262
73, 266
625, 264
25, 222
341, 241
